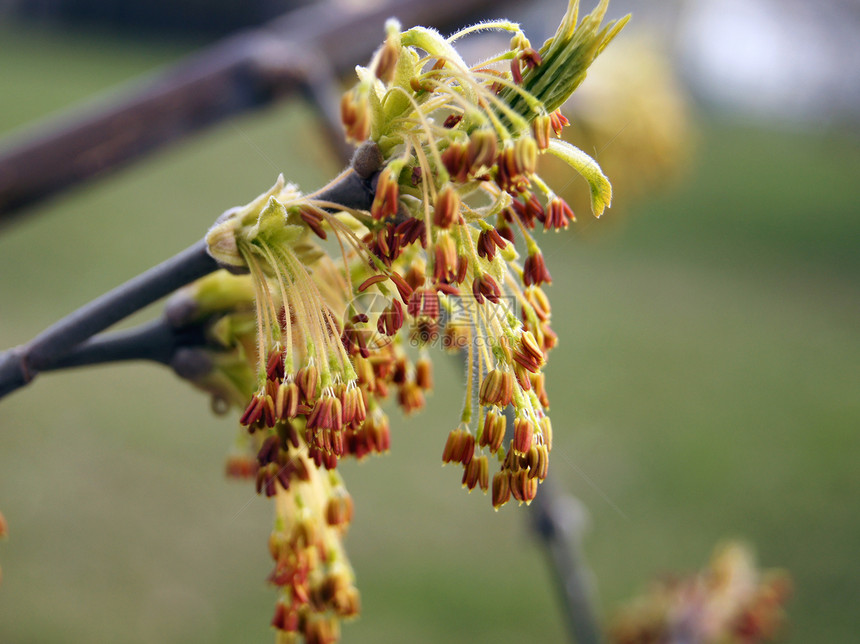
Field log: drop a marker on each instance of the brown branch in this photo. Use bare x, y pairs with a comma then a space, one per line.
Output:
240, 73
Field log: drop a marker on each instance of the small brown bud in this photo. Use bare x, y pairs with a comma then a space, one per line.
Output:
452, 120
482, 150
307, 379
501, 489
339, 510
314, 221
529, 354
558, 121
516, 71
523, 435
424, 373
476, 472
391, 319
459, 448
445, 258
455, 158
403, 287
386, 64
386, 200
253, 411
484, 286
424, 302
497, 388
447, 209
287, 400
355, 115
541, 128
535, 270
558, 214
538, 461
493, 433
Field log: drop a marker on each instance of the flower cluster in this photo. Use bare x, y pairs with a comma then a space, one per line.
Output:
730, 602
434, 245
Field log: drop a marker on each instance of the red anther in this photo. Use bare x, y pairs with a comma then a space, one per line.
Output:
452, 120
402, 287
558, 214
558, 121
535, 270
314, 221
373, 279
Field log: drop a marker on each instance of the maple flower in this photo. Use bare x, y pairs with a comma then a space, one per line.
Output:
448, 154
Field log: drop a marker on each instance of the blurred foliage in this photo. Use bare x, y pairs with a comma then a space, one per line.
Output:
705, 385
635, 120
731, 601
156, 17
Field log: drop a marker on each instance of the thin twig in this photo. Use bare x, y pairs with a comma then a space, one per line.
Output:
155, 341
560, 537
560, 534
19, 366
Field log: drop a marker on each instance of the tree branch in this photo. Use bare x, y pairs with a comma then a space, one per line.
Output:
156, 341
21, 365
240, 73
560, 534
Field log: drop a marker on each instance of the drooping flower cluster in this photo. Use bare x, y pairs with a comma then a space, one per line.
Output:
434, 246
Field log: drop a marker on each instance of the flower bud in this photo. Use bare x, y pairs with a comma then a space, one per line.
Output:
484, 286
386, 62
385, 202
445, 258
339, 509
525, 155
355, 114
546, 431
459, 448
476, 472
501, 489
488, 241
497, 388
447, 209
493, 433
558, 214
535, 270
538, 462
307, 379
558, 121
529, 354
455, 158
391, 319
424, 373
482, 150
523, 435
541, 128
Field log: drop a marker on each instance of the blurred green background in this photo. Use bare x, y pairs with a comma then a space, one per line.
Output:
706, 386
